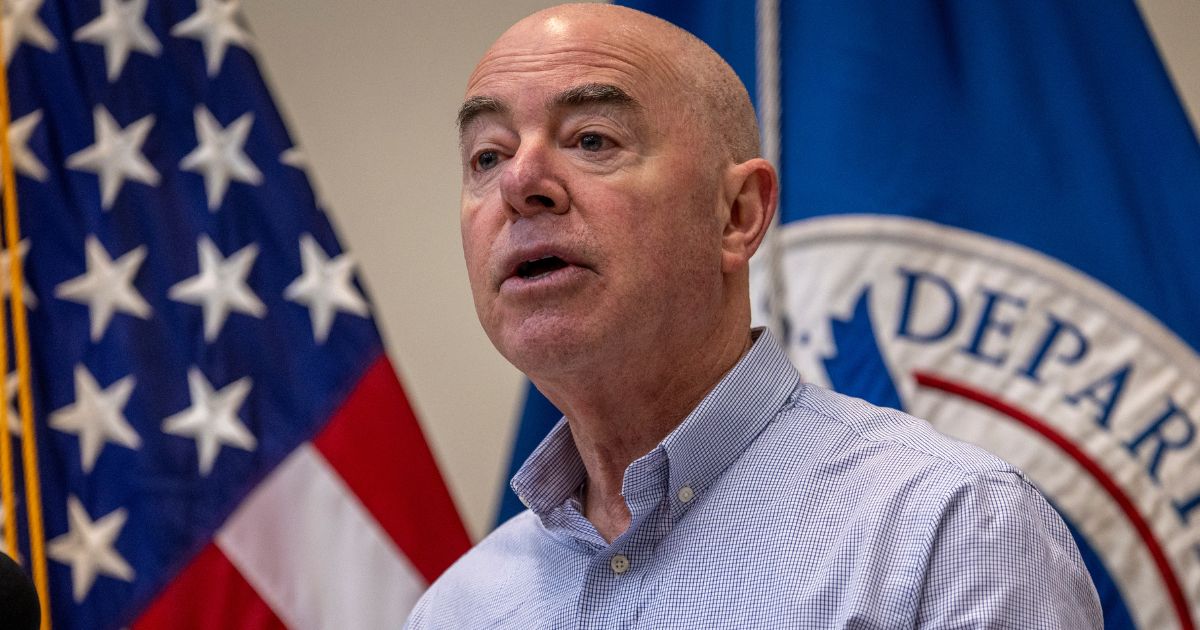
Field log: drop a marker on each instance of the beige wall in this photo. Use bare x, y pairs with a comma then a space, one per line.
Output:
370, 88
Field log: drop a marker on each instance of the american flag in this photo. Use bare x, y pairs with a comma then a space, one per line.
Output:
222, 441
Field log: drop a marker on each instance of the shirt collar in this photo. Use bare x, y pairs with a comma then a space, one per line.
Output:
728, 419
704, 444
552, 473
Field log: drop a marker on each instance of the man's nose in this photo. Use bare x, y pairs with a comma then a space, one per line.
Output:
531, 184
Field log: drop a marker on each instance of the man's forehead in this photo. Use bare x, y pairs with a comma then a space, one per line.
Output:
564, 63
576, 28
577, 44
592, 94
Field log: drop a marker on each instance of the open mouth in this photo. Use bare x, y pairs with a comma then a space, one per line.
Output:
531, 269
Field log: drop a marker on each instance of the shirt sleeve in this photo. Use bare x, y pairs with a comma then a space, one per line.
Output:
1001, 557
416, 617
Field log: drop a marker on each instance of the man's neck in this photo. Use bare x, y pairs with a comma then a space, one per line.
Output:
621, 417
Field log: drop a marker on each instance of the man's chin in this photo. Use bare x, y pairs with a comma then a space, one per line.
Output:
545, 347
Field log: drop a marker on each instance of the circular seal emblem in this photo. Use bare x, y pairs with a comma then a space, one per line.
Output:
1002, 346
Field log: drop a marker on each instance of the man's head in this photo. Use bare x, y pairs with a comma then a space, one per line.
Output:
612, 193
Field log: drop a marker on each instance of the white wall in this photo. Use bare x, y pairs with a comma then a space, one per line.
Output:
370, 88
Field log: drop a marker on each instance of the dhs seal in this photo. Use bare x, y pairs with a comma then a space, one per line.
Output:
1002, 346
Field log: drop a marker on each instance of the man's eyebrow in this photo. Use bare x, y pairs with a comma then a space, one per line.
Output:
594, 94
475, 107
580, 95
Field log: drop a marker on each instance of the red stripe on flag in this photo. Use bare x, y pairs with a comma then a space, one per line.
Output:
376, 446
209, 594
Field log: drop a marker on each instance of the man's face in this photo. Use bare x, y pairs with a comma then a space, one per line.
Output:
589, 201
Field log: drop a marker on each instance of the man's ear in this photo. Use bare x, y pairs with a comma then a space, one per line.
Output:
752, 193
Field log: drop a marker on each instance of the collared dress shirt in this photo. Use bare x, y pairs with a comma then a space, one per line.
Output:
777, 504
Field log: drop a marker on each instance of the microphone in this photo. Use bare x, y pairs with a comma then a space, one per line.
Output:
19, 607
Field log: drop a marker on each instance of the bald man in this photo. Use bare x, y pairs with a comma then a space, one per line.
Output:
612, 197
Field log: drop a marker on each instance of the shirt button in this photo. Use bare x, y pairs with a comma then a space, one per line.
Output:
685, 494
619, 564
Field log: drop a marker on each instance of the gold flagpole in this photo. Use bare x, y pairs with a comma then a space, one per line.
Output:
8, 184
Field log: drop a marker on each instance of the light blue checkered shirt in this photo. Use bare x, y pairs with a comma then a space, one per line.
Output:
777, 504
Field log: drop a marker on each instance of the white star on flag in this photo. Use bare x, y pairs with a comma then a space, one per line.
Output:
212, 419
295, 158
220, 156
24, 160
11, 384
215, 24
27, 295
97, 416
120, 28
220, 287
116, 155
325, 287
22, 24
107, 286
88, 547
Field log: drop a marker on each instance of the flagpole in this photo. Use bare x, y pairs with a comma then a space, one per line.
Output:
770, 108
33, 492
7, 496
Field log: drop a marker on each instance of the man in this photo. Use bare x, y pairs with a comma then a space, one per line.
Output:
612, 198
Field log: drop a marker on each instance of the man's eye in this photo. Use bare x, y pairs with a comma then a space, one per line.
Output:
487, 160
591, 142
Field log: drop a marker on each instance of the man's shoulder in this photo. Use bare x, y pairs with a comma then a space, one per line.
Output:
847, 427
492, 557
843, 452
905, 497
483, 569
487, 582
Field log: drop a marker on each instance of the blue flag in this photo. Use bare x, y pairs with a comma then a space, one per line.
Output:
989, 218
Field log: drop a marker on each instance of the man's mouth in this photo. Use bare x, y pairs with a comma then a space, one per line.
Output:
531, 269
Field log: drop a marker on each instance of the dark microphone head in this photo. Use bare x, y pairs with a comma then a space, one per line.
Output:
19, 607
